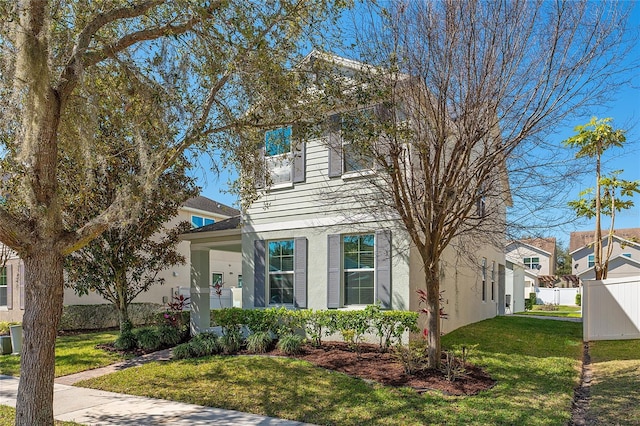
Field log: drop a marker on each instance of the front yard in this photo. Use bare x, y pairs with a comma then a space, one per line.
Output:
535, 362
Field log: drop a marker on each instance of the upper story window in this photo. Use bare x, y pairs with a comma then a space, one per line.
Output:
627, 255
591, 261
484, 279
277, 147
281, 272
532, 262
358, 268
198, 221
3, 287
357, 135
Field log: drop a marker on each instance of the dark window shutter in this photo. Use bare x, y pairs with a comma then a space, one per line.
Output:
334, 258
335, 146
300, 272
383, 268
22, 281
9, 287
299, 161
259, 273
260, 168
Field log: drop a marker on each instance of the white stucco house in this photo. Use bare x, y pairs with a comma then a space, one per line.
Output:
538, 256
625, 253
200, 211
304, 246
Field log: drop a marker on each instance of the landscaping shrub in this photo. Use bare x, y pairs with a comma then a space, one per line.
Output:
231, 341
204, 344
317, 324
148, 338
169, 336
94, 317
261, 320
126, 341
5, 327
413, 356
578, 299
259, 342
389, 326
291, 344
182, 351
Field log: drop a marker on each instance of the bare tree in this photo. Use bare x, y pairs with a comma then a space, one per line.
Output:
462, 89
181, 73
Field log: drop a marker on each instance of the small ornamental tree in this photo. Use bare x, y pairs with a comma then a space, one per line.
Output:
608, 196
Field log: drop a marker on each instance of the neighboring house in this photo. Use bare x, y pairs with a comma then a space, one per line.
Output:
625, 254
303, 247
11, 285
224, 266
538, 255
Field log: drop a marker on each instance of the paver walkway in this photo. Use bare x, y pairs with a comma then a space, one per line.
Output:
96, 407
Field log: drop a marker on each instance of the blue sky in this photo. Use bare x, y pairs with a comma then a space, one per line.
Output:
624, 109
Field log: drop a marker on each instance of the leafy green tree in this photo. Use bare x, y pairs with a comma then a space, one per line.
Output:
563, 263
180, 73
608, 197
126, 259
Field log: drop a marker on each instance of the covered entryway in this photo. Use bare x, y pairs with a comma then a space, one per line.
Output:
223, 236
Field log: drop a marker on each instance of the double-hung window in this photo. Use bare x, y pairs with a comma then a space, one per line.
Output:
358, 269
4, 299
281, 272
591, 261
484, 279
277, 148
357, 136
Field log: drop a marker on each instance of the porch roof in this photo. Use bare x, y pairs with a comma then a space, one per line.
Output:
225, 235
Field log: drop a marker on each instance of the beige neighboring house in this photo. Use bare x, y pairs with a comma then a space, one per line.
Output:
200, 211
538, 256
303, 249
625, 254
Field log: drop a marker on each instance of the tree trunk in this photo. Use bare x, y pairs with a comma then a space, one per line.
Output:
44, 283
432, 281
597, 247
121, 304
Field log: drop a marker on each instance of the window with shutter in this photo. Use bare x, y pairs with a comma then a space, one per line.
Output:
4, 288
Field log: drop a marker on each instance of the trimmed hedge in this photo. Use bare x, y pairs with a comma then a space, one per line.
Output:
93, 317
353, 325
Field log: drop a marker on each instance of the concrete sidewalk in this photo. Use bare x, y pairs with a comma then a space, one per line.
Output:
96, 407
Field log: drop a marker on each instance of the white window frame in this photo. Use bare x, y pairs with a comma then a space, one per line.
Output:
529, 262
280, 272
493, 280
280, 166
4, 285
591, 261
371, 270
205, 221
345, 143
484, 279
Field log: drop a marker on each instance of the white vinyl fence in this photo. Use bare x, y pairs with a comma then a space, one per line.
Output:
611, 309
226, 300
556, 296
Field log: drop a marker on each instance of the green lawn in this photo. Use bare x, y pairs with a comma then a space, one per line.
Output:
615, 365
535, 362
8, 415
74, 353
562, 311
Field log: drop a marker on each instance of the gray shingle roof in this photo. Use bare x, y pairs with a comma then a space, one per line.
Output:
223, 225
209, 205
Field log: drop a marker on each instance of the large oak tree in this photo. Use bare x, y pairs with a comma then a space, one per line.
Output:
181, 73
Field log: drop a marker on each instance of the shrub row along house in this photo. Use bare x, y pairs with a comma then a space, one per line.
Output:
316, 237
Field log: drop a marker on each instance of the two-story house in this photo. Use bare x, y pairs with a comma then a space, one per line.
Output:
625, 253
225, 267
308, 243
538, 256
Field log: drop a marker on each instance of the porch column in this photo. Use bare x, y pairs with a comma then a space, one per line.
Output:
200, 303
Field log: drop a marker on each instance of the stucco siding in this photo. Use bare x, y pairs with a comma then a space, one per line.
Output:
317, 260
